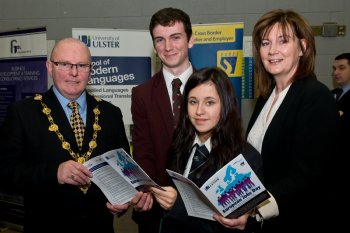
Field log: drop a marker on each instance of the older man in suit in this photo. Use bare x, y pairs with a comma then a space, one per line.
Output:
41, 154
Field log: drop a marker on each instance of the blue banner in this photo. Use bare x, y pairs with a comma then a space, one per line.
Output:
23, 73
220, 45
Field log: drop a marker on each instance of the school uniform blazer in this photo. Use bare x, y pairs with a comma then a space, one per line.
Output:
298, 151
153, 127
177, 219
30, 156
151, 138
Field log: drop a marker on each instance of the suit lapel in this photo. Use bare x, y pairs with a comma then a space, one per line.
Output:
161, 98
90, 119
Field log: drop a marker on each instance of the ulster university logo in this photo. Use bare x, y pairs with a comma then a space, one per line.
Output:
86, 39
97, 41
14, 46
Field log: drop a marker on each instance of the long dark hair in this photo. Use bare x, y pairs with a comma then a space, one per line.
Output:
227, 138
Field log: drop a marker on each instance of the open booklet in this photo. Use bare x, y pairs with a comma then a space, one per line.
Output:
118, 176
232, 191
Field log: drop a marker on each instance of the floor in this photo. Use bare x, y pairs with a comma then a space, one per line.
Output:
124, 224
6, 228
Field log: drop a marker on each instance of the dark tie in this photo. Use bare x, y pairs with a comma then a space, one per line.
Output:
338, 94
176, 99
77, 123
199, 157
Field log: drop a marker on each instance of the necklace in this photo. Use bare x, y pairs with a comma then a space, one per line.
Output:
80, 158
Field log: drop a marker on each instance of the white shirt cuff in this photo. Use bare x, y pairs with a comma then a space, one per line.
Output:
267, 209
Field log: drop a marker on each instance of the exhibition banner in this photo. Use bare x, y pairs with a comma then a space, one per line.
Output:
220, 45
248, 90
121, 59
23, 55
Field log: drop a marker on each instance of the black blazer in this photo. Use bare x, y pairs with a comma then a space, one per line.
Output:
299, 151
177, 220
30, 155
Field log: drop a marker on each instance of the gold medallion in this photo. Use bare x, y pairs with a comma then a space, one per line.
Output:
46, 111
53, 127
96, 127
92, 144
81, 160
84, 188
65, 145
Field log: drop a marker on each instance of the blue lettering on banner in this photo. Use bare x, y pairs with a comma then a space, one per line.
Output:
120, 70
100, 41
105, 44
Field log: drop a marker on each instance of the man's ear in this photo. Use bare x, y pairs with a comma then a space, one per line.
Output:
191, 42
49, 67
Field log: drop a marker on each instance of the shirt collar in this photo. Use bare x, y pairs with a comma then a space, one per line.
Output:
183, 77
64, 101
207, 143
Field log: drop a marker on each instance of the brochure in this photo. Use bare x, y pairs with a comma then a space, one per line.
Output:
118, 176
232, 191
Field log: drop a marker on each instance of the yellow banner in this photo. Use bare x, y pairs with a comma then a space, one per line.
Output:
215, 33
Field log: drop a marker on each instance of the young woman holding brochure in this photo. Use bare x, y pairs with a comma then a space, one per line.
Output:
210, 117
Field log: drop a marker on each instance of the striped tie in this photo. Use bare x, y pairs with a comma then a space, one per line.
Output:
199, 157
177, 97
77, 123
